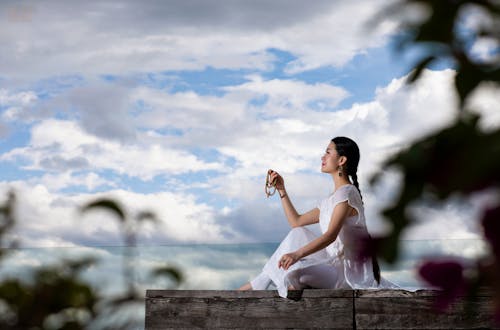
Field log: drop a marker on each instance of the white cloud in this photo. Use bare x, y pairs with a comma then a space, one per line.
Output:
190, 113
296, 140
58, 144
457, 219
474, 20
422, 108
58, 181
21, 98
134, 130
16, 105
221, 34
292, 144
395, 117
337, 37
48, 219
102, 110
484, 101
284, 96
486, 50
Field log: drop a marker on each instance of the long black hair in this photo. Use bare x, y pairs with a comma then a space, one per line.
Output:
348, 148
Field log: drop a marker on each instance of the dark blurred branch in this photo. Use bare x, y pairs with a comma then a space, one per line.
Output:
460, 159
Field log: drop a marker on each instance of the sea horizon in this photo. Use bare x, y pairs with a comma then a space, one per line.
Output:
209, 266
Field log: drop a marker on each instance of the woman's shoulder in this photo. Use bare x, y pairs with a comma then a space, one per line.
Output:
347, 192
342, 193
344, 189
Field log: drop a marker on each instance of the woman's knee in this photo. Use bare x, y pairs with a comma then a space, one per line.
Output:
319, 276
299, 232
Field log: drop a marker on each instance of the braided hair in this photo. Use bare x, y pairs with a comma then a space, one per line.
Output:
348, 148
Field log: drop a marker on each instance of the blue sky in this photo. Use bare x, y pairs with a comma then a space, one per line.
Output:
180, 107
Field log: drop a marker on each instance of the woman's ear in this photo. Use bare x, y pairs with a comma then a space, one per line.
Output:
342, 160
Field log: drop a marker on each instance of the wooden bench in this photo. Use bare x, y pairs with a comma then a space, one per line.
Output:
332, 309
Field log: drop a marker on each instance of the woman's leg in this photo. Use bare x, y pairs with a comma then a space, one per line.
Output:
322, 276
261, 282
296, 238
245, 287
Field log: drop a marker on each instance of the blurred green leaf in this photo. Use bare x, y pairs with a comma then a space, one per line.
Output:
51, 291
107, 204
169, 272
147, 216
55, 296
443, 35
467, 79
459, 158
424, 63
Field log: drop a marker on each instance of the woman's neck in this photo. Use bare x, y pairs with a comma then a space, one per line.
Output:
339, 181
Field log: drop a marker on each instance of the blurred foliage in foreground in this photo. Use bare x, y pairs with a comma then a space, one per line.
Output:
57, 297
458, 160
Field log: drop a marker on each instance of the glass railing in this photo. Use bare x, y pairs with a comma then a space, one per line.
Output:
213, 266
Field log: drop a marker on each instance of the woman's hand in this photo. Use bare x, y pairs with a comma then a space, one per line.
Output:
288, 259
278, 179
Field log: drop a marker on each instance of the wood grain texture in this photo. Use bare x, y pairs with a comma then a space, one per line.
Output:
389, 309
327, 309
250, 309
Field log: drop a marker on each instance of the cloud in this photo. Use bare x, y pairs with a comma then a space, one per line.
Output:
291, 143
380, 127
166, 123
484, 101
156, 36
17, 105
457, 219
280, 97
195, 119
485, 50
241, 149
337, 36
8, 99
59, 163
49, 219
62, 145
102, 110
295, 141
58, 181
105, 97
474, 20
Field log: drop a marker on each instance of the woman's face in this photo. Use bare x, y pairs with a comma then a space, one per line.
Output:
330, 160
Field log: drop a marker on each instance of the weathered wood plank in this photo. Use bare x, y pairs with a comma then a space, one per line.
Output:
249, 309
313, 293
332, 309
397, 309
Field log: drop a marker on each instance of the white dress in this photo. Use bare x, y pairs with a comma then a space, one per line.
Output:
350, 270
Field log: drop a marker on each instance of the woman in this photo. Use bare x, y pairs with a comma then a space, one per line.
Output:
335, 259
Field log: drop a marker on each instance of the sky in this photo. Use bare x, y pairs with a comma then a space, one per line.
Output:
181, 107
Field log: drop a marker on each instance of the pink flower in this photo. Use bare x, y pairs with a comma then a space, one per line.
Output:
491, 225
447, 276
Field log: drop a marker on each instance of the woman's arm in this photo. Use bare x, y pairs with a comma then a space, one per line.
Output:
340, 213
294, 218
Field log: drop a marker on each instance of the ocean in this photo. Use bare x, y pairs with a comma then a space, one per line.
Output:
209, 266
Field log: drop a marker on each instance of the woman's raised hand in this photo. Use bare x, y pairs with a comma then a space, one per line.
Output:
276, 180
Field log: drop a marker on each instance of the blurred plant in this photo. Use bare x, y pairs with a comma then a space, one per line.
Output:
129, 227
56, 297
460, 159
7, 222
